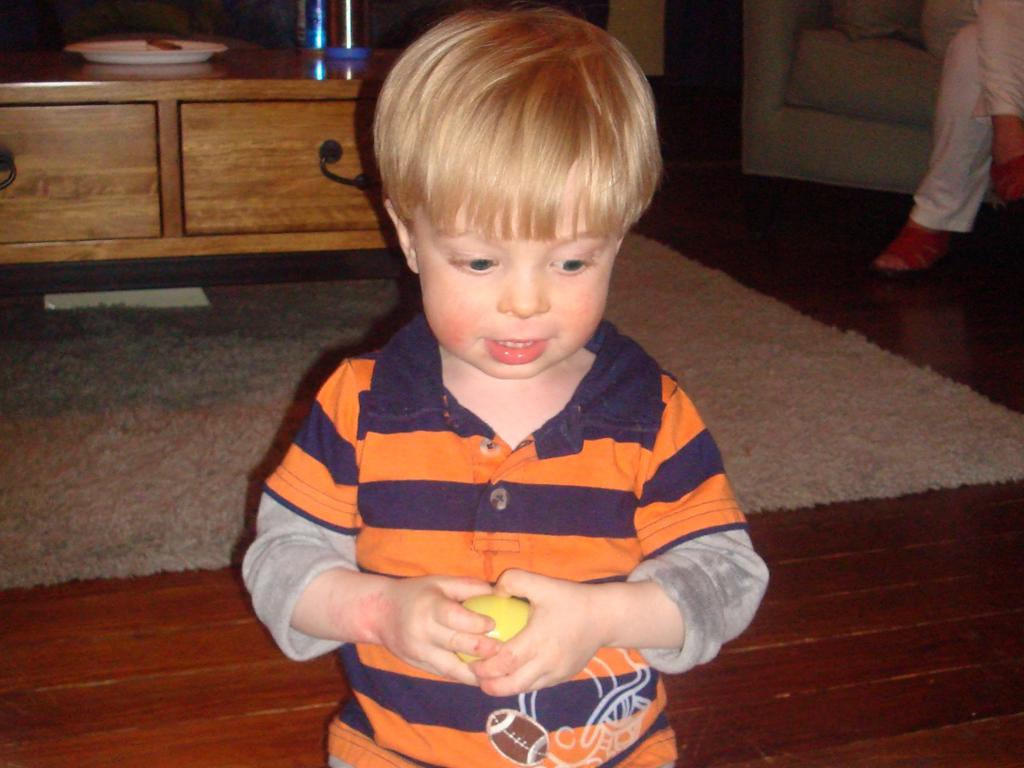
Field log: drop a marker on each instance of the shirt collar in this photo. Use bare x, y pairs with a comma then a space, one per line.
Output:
622, 391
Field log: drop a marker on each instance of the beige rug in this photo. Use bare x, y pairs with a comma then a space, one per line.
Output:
136, 441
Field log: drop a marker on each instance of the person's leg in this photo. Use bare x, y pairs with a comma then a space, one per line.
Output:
949, 196
951, 192
1001, 57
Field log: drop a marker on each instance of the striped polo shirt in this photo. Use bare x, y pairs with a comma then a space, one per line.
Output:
626, 471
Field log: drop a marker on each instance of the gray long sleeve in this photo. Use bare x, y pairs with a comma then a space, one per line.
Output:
288, 553
717, 580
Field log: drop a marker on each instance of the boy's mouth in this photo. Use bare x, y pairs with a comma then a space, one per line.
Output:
515, 351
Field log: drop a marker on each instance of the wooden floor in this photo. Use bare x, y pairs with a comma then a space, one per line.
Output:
892, 633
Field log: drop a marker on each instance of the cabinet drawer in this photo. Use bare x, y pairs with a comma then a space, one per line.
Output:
254, 167
84, 172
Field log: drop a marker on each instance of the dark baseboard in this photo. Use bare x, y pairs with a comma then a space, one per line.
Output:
240, 269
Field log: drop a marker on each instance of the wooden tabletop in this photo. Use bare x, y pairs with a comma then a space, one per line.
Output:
48, 77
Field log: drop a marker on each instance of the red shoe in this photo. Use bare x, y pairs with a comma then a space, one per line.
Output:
915, 249
1008, 180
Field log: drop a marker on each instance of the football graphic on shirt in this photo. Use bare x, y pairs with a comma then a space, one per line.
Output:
517, 737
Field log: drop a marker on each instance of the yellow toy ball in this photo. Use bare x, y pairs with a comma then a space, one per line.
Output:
510, 615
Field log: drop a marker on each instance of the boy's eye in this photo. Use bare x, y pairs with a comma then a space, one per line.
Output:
572, 265
479, 265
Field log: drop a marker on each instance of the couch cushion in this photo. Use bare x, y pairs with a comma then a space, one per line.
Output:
941, 20
860, 19
878, 79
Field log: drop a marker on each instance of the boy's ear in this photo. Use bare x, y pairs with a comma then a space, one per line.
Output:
404, 236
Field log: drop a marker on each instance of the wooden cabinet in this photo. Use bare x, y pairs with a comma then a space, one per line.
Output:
254, 167
83, 172
118, 162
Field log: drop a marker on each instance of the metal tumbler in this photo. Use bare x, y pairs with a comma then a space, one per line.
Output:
346, 28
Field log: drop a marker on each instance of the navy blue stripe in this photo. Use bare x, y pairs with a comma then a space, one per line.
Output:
563, 510
465, 707
696, 535
423, 702
640, 434
320, 439
383, 419
552, 510
422, 505
698, 460
303, 513
353, 716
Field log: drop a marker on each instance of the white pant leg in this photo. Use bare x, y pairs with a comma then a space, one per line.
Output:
951, 192
1001, 52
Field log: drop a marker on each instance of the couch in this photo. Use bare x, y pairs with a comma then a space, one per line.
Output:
830, 105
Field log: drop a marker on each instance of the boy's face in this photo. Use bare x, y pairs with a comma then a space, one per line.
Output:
510, 309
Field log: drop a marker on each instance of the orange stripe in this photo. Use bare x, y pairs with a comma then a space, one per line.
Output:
339, 396
354, 748
441, 456
603, 463
710, 505
487, 555
417, 553
306, 483
422, 455
607, 662
379, 657
681, 414
303, 470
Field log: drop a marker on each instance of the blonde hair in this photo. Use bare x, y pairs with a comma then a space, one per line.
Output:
493, 117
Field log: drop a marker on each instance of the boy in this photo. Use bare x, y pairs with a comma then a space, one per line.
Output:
510, 441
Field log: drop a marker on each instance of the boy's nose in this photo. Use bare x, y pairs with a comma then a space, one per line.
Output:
524, 297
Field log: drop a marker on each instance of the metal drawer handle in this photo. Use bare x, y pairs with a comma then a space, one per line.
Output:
7, 169
330, 152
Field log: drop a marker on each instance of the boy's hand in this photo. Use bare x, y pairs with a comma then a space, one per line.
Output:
421, 621
563, 634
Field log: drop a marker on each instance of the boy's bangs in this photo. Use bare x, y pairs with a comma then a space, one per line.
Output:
504, 182
522, 166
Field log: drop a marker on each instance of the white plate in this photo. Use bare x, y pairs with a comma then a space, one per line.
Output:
141, 52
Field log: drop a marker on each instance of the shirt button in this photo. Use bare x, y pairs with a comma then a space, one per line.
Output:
499, 499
